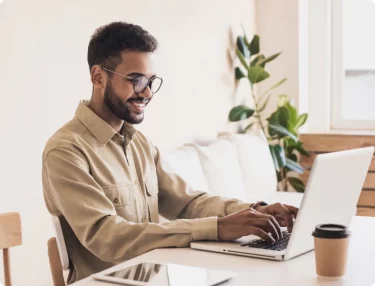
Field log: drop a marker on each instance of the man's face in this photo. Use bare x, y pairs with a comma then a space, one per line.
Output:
119, 94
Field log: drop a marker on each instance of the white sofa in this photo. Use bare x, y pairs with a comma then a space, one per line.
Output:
231, 165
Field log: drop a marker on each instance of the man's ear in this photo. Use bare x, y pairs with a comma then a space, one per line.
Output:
98, 77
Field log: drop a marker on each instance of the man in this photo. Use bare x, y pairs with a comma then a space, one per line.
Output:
106, 182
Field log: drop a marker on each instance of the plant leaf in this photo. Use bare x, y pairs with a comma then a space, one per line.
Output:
282, 99
288, 143
248, 127
242, 59
266, 60
264, 104
280, 117
274, 118
256, 60
284, 117
278, 156
292, 116
239, 74
292, 157
294, 166
274, 86
239, 113
254, 45
290, 146
300, 121
242, 46
244, 37
297, 184
280, 130
299, 148
257, 74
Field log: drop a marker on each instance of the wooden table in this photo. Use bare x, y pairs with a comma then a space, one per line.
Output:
297, 271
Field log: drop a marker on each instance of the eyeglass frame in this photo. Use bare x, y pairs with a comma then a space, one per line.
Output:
134, 81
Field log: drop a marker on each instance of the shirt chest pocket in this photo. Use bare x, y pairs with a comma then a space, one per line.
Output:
123, 199
152, 192
120, 195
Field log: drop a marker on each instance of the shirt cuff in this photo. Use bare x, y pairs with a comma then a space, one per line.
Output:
241, 206
205, 228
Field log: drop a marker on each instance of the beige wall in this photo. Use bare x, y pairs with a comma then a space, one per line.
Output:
44, 74
277, 25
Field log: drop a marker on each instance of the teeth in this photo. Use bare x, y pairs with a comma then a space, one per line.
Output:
138, 104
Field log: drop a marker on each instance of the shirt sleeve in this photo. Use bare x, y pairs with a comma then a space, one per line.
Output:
177, 199
72, 192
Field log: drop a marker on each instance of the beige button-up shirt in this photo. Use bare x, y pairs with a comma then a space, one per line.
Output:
108, 190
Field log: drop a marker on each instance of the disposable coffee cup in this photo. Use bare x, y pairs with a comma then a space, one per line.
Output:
331, 249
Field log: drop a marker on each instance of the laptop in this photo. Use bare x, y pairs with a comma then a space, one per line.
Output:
331, 196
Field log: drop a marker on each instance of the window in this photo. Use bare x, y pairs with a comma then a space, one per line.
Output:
337, 65
353, 64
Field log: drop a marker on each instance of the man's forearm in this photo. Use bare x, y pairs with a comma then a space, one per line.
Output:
130, 239
207, 205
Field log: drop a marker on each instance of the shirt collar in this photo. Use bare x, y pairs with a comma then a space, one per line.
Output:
101, 130
128, 131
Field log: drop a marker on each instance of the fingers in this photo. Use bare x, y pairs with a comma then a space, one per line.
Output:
267, 223
277, 225
287, 216
293, 209
280, 219
261, 233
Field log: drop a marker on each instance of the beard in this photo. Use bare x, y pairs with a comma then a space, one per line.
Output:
121, 110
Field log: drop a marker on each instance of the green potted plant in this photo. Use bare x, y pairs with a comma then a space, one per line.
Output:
281, 127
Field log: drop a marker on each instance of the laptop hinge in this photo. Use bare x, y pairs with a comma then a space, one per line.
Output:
248, 254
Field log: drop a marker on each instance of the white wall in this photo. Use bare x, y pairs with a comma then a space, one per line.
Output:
44, 74
277, 26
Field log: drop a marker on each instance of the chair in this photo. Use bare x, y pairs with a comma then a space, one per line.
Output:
10, 235
57, 254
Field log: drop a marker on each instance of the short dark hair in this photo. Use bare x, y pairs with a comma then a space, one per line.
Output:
107, 43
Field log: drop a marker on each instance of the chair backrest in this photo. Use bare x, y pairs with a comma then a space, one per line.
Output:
55, 263
57, 253
60, 241
10, 235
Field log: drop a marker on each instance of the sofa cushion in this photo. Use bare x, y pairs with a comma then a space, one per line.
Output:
256, 163
184, 161
222, 169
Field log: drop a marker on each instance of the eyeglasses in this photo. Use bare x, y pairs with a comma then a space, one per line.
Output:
140, 83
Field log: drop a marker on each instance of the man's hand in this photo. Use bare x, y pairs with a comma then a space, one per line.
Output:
284, 214
246, 222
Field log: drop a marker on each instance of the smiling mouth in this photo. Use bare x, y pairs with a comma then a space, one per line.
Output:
138, 105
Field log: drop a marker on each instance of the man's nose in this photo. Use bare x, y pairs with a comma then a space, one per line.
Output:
146, 93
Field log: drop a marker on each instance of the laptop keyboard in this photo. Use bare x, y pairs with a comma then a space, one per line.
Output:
278, 245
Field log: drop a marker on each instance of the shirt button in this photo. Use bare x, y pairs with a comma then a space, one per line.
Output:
115, 200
